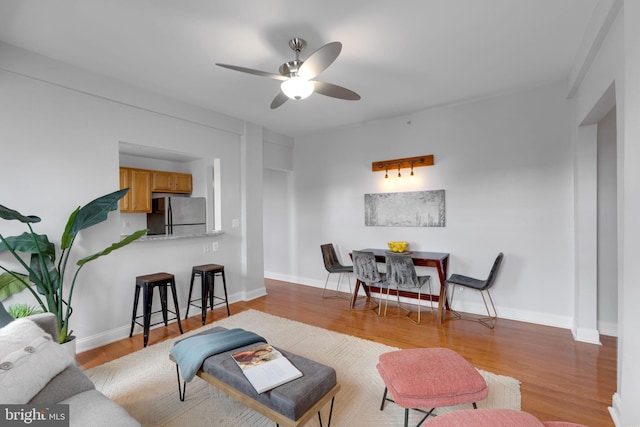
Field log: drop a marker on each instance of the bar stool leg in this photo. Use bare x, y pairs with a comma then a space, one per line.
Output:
204, 289
136, 297
211, 283
226, 300
163, 301
175, 303
193, 275
147, 297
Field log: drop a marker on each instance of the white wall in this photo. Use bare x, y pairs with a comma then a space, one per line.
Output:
506, 167
626, 408
60, 150
279, 218
607, 226
608, 75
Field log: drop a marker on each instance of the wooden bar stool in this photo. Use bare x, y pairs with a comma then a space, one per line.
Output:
207, 274
147, 283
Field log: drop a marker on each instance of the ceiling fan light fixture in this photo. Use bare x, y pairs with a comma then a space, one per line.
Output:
297, 87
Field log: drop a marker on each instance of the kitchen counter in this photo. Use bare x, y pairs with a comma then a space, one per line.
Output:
158, 237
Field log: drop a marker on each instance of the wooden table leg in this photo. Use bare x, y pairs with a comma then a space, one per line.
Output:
355, 294
442, 299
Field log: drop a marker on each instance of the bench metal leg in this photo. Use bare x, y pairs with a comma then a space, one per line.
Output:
320, 414
181, 390
330, 413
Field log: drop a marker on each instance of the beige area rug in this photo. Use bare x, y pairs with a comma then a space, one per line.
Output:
145, 384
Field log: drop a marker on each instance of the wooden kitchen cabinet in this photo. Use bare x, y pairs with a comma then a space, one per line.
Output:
143, 182
138, 199
125, 182
171, 182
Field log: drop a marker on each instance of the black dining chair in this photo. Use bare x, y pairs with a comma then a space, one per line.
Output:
482, 286
333, 266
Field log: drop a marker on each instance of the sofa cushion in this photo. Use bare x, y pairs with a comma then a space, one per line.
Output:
67, 383
92, 408
29, 359
48, 322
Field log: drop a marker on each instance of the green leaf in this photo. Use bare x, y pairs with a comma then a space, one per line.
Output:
96, 211
67, 236
63, 334
10, 214
10, 284
23, 310
29, 243
114, 246
47, 281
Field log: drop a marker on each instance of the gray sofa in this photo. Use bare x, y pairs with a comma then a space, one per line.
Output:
87, 406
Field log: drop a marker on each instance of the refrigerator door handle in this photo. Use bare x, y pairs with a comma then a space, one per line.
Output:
170, 222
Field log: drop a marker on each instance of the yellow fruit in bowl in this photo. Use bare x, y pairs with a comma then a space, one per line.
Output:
398, 246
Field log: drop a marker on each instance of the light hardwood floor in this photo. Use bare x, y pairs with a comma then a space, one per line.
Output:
560, 379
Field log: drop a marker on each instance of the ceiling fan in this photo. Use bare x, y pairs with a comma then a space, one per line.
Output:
298, 76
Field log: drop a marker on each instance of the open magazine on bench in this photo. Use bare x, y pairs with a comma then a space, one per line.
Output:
265, 367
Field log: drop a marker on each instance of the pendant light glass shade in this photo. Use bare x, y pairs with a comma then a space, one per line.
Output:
297, 88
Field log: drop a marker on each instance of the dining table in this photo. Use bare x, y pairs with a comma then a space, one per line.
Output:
437, 260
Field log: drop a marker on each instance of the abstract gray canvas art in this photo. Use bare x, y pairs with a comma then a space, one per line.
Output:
408, 209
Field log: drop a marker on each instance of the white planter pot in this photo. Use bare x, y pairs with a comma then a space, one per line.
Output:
70, 346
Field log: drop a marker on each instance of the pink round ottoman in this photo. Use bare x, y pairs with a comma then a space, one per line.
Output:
485, 418
492, 418
561, 424
423, 378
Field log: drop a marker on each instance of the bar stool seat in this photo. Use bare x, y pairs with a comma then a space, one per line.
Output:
147, 283
207, 274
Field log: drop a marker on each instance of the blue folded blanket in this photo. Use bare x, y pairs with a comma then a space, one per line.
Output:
190, 353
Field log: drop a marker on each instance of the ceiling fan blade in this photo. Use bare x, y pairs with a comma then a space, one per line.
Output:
252, 71
335, 91
319, 60
280, 99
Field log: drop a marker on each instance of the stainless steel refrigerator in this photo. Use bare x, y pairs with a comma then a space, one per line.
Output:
178, 216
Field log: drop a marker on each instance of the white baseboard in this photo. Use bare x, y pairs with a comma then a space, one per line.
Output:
614, 410
591, 336
104, 338
297, 280
608, 328
112, 335
248, 296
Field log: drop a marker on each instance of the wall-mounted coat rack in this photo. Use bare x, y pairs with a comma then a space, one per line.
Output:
404, 163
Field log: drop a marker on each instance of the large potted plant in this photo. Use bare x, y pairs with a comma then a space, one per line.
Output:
41, 275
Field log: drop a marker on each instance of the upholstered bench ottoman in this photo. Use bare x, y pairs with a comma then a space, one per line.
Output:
429, 378
291, 404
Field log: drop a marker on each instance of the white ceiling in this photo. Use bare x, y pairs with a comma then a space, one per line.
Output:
400, 56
